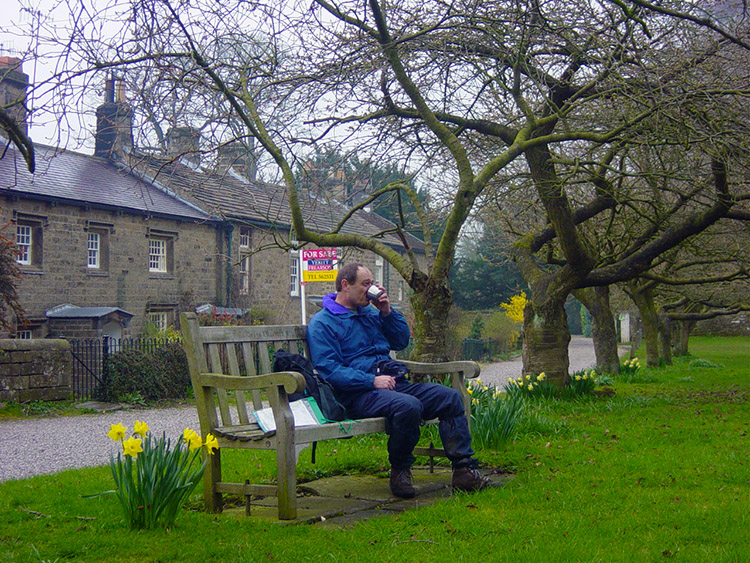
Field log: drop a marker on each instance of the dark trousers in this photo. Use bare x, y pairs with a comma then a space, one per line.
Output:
405, 407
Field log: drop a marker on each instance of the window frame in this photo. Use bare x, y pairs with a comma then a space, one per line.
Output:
94, 251
24, 249
103, 231
160, 318
244, 272
167, 240
245, 237
294, 273
35, 225
379, 273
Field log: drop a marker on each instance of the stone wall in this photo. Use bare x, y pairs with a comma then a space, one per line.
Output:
730, 325
35, 370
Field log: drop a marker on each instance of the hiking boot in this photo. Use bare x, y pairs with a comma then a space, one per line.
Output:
401, 483
468, 479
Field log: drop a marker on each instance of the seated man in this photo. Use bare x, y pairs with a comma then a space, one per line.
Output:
348, 339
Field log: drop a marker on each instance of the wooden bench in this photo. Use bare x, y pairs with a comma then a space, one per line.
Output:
239, 359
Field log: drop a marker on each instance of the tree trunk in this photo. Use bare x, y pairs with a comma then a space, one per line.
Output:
644, 300
682, 334
603, 327
665, 340
545, 340
431, 307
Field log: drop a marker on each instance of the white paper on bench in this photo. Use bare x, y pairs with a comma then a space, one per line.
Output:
304, 412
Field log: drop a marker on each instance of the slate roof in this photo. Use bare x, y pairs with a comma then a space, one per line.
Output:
232, 196
174, 188
74, 178
68, 311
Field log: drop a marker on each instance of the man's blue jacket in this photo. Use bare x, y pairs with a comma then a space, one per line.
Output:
346, 346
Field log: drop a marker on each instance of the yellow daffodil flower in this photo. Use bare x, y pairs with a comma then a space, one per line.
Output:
484, 388
540, 377
528, 376
195, 442
470, 390
211, 444
132, 447
531, 387
117, 432
578, 378
188, 433
140, 428
475, 401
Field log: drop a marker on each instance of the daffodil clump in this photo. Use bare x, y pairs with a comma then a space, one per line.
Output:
493, 415
582, 383
630, 367
537, 386
154, 476
530, 385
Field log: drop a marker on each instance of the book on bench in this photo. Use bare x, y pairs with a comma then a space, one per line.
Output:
306, 413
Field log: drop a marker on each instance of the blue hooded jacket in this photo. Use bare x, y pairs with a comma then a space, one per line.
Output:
346, 346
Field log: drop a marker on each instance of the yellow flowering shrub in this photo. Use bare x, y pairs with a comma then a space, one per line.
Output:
515, 306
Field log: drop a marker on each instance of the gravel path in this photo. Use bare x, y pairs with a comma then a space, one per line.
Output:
47, 445
38, 446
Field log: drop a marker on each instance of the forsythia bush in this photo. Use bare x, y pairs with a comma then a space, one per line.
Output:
514, 308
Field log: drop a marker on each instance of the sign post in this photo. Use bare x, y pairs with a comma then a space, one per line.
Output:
316, 265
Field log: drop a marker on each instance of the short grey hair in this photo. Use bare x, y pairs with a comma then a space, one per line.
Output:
348, 273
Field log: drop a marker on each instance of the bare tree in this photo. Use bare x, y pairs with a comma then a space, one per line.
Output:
467, 92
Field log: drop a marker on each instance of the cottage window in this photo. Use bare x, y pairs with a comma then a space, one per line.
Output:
94, 250
24, 240
244, 237
245, 275
157, 255
294, 273
29, 242
160, 319
378, 273
24, 334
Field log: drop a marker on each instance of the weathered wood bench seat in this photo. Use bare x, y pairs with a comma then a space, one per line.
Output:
239, 359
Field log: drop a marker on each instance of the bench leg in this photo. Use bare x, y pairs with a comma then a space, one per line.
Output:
286, 477
211, 476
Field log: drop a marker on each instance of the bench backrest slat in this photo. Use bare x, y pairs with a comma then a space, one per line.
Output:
241, 351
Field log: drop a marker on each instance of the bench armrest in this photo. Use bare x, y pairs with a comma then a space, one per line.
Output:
469, 369
292, 382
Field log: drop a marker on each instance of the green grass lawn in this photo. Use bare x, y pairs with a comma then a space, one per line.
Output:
660, 471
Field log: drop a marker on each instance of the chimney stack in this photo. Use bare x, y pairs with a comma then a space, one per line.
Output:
238, 157
184, 142
114, 118
13, 85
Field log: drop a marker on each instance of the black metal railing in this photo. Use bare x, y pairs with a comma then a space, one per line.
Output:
92, 361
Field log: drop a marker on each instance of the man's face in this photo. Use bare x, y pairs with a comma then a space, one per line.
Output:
358, 290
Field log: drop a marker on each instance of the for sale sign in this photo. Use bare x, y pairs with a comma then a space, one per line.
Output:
319, 264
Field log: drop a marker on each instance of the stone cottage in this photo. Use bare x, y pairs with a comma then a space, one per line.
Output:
109, 242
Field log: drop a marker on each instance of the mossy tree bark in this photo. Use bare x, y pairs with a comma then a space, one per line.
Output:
603, 327
545, 340
682, 331
431, 307
665, 339
643, 297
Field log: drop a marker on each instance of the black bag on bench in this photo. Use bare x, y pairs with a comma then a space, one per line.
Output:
315, 386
